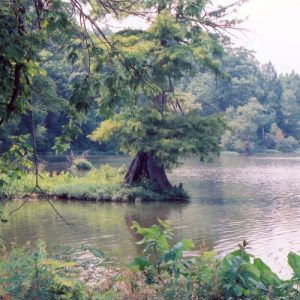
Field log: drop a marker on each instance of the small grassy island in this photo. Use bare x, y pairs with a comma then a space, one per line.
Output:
103, 184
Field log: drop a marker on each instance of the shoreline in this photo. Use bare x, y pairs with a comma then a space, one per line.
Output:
159, 197
103, 184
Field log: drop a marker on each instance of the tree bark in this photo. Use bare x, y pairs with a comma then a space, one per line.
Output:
145, 166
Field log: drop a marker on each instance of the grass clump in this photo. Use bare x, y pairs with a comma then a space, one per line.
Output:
82, 164
103, 184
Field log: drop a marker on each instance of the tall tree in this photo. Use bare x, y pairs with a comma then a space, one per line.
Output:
161, 125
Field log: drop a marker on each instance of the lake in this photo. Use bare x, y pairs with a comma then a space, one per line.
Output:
233, 198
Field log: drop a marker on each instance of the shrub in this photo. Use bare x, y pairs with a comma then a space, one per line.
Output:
288, 144
159, 259
82, 164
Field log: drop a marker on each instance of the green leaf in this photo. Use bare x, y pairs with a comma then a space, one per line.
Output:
250, 269
294, 262
238, 290
14, 52
258, 284
187, 244
139, 263
164, 224
266, 274
2, 182
163, 243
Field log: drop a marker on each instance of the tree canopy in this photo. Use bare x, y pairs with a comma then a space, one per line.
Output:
154, 122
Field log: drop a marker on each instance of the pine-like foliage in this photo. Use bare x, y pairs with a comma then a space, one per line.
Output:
169, 137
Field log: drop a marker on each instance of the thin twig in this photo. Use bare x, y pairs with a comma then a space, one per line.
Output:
16, 209
37, 175
57, 212
36, 164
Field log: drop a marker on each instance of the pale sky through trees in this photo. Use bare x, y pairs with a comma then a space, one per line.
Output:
273, 31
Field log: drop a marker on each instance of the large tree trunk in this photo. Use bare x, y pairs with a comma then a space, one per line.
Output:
145, 166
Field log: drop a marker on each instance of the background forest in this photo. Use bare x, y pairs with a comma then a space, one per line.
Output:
262, 108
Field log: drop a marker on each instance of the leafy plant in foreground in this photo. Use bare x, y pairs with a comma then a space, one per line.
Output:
159, 258
239, 275
164, 273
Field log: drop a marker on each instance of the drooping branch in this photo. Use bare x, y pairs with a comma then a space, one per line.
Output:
86, 17
36, 164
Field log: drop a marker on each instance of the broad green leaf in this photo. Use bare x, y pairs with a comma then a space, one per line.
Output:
294, 262
250, 269
266, 275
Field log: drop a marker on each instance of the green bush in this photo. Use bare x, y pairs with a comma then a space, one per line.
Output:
159, 258
288, 144
82, 164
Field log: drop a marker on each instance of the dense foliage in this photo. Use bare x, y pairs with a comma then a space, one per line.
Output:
157, 125
35, 275
157, 93
239, 275
169, 137
49, 61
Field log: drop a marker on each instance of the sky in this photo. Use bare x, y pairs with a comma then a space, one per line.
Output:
273, 32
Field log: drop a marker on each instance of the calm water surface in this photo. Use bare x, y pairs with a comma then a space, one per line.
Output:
234, 198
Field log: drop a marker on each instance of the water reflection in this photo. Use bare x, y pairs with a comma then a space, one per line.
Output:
104, 225
232, 199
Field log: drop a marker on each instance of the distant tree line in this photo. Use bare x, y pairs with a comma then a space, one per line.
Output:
262, 108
